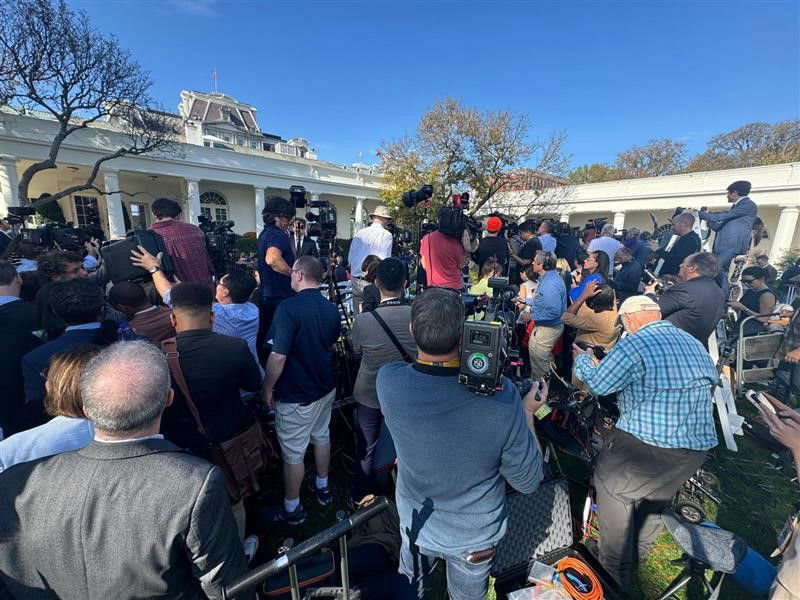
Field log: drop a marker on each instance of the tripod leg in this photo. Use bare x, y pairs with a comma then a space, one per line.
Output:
680, 581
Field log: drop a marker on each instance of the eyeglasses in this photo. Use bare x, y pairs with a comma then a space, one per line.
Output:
747, 280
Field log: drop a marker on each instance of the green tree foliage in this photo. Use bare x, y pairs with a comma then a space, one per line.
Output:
593, 173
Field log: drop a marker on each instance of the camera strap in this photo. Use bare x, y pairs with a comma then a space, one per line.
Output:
392, 337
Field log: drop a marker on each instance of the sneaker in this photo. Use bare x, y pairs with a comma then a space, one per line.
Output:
250, 547
323, 495
278, 514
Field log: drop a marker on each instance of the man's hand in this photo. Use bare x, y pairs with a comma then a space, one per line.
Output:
91, 247
268, 395
650, 288
653, 245
784, 427
793, 356
525, 317
144, 259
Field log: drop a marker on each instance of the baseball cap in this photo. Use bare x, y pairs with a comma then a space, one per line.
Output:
494, 224
636, 304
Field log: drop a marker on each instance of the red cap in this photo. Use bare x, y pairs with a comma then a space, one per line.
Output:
494, 224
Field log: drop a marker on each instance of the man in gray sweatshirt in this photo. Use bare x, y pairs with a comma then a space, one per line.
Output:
456, 450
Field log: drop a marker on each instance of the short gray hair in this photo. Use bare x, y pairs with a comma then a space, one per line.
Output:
125, 386
608, 229
546, 259
634, 231
705, 263
686, 217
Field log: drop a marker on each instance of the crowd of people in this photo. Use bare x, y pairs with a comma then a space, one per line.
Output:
130, 422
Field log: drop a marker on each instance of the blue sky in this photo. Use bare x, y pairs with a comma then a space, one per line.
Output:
346, 75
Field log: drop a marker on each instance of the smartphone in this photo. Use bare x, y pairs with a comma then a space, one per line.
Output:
758, 400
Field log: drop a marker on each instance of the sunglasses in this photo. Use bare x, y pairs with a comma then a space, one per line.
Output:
747, 280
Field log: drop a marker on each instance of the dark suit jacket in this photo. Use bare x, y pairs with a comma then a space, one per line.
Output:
215, 367
696, 306
138, 519
734, 227
35, 362
14, 344
309, 247
626, 281
686, 245
18, 315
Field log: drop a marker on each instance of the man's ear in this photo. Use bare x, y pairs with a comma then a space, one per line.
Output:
173, 320
211, 316
170, 398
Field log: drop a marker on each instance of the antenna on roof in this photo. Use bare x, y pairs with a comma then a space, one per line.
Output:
214, 80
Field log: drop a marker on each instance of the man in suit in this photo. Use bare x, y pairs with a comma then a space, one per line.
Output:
6, 236
626, 281
302, 244
687, 243
697, 303
14, 313
79, 303
215, 368
733, 228
134, 515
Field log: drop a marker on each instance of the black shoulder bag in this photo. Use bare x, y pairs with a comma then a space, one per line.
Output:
392, 336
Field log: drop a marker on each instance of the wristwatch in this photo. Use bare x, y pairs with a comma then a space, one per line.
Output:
153, 269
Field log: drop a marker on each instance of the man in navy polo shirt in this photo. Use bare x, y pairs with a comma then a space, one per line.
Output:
299, 384
275, 257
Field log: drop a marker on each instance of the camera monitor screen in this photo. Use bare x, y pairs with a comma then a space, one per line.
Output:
480, 338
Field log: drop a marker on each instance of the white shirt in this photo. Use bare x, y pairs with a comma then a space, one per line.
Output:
374, 239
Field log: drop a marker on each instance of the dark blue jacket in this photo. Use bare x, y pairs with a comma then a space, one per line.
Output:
626, 281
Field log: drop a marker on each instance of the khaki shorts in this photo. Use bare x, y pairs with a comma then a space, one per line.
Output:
297, 425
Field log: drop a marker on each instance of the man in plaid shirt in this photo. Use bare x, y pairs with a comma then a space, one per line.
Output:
663, 378
185, 243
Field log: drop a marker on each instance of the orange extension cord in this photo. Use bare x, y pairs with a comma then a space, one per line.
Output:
596, 592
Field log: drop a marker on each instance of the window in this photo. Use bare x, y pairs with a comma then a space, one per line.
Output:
214, 205
86, 211
138, 214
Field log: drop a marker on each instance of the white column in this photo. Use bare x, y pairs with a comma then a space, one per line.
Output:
619, 220
116, 222
9, 182
314, 197
359, 212
259, 207
564, 217
193, 201
784, 233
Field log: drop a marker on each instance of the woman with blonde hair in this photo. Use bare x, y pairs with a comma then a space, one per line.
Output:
68, 429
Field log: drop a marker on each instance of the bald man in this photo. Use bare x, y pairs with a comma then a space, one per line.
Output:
688, 243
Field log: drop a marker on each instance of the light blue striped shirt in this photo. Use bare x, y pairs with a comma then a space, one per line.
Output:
663, 378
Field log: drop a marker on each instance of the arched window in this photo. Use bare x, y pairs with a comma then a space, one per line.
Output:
214, 206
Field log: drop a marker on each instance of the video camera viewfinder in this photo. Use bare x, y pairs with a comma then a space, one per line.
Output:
484, 351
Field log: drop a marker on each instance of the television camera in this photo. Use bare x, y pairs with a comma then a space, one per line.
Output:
52, 235
220, 243
321, 219
487, 348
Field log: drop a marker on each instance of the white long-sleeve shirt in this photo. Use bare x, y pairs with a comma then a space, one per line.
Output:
374, 239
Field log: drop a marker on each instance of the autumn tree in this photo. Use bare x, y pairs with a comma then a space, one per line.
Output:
656, 158
751, 145
457, 148
593, 173
53, 60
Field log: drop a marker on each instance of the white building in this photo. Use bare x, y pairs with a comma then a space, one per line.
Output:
629, 202
225, 168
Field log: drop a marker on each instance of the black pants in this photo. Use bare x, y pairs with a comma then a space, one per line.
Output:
266, 312
368, 428
634, 483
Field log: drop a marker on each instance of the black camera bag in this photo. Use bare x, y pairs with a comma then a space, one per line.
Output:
117, 256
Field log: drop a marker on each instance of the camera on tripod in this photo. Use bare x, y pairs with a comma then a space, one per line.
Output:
321, 224
220, 243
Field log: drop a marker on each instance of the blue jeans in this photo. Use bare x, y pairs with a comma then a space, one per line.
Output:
465, 581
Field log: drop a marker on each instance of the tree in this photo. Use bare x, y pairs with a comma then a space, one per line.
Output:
458, 148
751, 145
657, 157
53, 60
593, 173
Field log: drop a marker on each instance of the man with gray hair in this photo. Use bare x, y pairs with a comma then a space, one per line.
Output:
607, 244
132, 514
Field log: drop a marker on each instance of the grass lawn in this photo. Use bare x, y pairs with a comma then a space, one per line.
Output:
755, 487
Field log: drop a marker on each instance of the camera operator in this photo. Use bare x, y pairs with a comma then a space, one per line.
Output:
275, 255
549, 304
302, 244
688, 243
185, 243
697, 303
455, 450
663, 379
524, 256
492, 246
380, 337
376, 240
626, 281
443, 256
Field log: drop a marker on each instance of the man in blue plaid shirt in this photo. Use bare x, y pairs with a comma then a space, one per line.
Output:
663, 378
